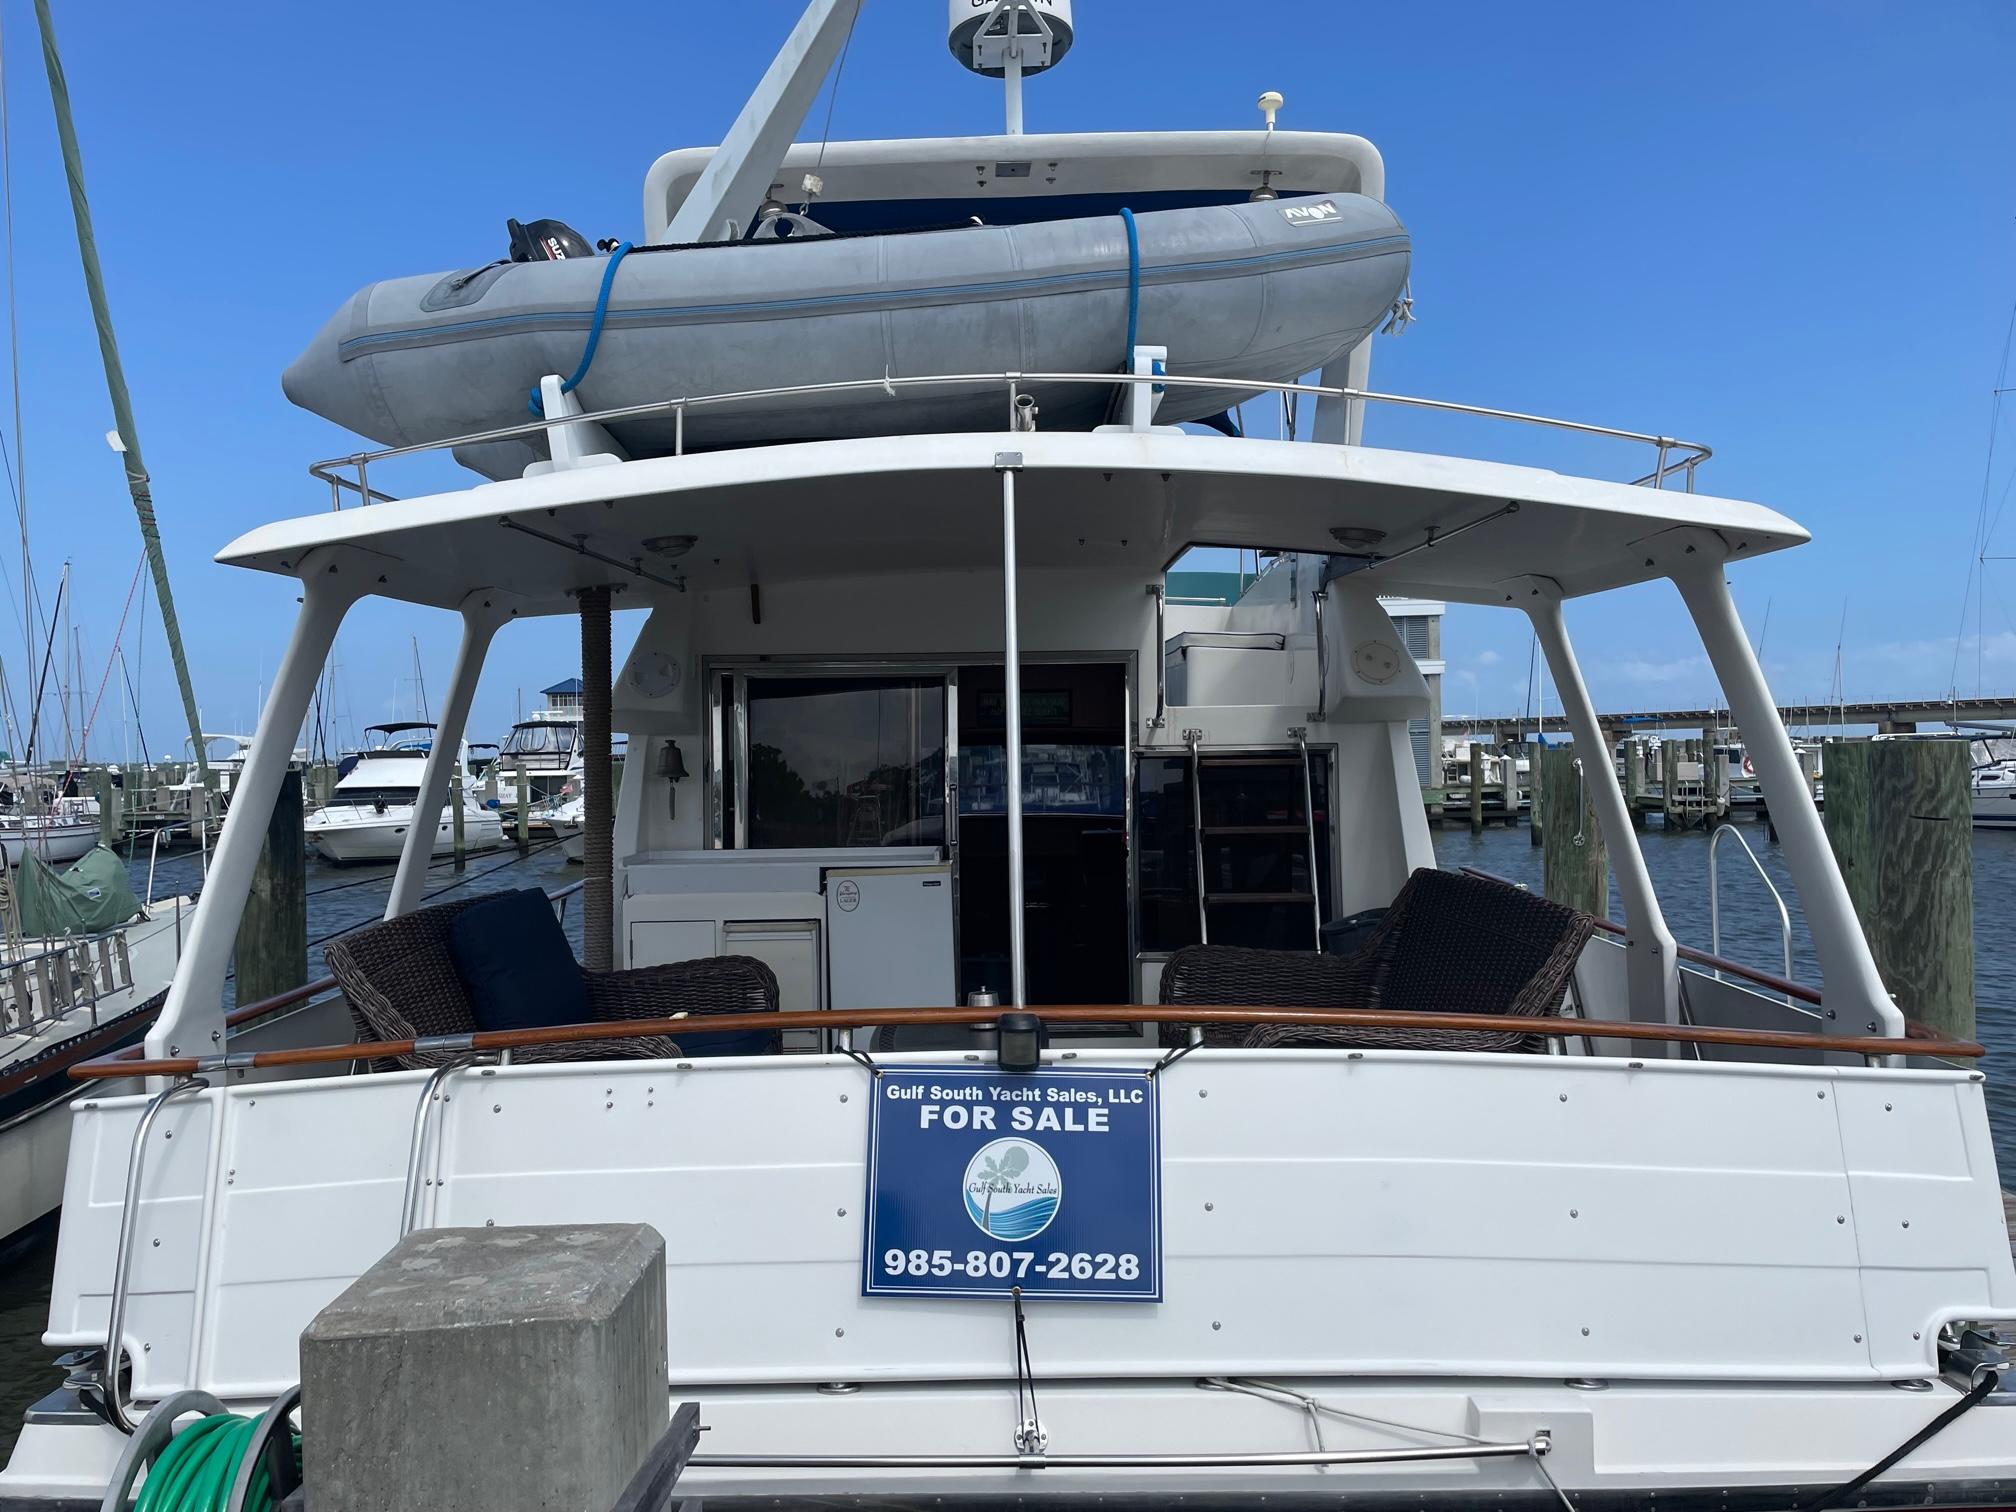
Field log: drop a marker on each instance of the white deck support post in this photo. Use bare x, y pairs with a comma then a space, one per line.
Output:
724, 198
1652, 965
480, 622
1856, 1000
1008, 464
192, 1021
1341, 422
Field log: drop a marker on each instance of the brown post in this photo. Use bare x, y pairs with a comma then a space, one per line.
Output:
1900, 819
1536, 782
273, 930
456, 820
598, 901
1576, 868
108, 806
524, 809
1476, 786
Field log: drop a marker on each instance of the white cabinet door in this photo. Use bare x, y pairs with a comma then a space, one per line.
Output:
660, 942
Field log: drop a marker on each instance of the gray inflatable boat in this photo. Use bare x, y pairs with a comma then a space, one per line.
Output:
1266, 290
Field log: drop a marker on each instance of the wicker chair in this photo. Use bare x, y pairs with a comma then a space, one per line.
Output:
400, 983
1449, 944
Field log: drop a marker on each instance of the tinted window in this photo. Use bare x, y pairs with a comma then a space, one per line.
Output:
845, 762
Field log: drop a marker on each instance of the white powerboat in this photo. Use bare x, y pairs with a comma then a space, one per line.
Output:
1709, 1244
568, 820
373, 806
545, 747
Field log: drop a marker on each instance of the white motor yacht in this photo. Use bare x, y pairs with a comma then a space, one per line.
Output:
545, 746
1670, 1240
367, 819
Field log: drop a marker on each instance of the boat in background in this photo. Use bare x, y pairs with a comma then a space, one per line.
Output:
84, 967
366, 819
546, 747
1992, 783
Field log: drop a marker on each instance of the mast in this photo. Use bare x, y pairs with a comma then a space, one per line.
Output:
127, 435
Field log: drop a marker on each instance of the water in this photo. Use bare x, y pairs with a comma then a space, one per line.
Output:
1679, 867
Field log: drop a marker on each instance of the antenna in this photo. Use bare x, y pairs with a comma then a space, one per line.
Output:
1008, 40
1269, 105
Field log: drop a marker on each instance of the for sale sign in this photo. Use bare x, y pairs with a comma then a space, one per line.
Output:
981, 1182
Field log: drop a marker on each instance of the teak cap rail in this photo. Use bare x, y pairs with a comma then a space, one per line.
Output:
737, 1023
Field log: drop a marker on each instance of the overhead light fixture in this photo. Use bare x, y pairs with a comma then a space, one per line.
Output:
1357, 537
672, 546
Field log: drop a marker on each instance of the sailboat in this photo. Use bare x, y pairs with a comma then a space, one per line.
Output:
85, 964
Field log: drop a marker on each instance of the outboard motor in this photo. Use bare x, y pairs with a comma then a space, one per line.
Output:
546, 241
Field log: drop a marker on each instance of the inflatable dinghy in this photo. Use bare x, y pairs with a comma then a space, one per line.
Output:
1262, 290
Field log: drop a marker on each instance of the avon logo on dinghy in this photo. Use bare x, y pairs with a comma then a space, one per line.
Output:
1012, 1189
1311, 215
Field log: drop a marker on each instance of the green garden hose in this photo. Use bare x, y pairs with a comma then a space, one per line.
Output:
197, 1467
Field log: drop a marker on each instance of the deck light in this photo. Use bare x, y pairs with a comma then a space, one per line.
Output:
1021, 1042
674, 546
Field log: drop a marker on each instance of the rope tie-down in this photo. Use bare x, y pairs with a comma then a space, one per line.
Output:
616, 256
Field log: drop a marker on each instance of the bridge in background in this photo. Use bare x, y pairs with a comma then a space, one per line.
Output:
1893, 716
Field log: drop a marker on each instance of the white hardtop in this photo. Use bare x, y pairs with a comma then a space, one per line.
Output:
1125, 502
958, 171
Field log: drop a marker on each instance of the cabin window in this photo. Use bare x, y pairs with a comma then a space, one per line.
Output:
844, 761
1256, 848
540, 740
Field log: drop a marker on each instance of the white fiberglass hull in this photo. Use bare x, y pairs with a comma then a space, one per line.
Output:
35, 1102
1995, 809
346, 835
57, 843
1730, 1325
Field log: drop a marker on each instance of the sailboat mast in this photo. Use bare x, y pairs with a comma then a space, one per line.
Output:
115, 381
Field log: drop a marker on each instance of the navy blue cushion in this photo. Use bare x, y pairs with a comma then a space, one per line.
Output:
695, 1046
515, 963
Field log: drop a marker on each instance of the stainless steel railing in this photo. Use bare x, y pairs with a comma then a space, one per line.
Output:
1715, 896
1673, 456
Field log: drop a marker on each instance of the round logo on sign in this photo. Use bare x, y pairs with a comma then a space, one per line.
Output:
1012, 1189
848, 895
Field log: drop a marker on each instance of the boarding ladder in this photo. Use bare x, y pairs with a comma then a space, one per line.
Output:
1253, 818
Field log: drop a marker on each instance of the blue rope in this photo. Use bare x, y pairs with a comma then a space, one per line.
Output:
594, 330
1133, 287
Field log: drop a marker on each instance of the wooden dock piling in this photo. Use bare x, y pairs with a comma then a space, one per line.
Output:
455, 820
1900, 818
109, 817
272, 949
1576, 868
524, 831
1476, 788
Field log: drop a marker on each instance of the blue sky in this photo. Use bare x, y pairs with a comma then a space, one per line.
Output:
1783, 229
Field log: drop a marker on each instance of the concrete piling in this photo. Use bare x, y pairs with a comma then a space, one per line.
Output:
483, 1368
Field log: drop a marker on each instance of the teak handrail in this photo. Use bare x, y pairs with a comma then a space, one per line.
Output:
1102, 1013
